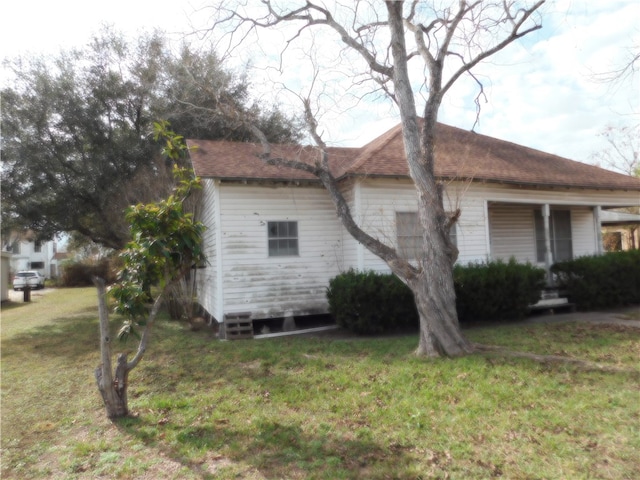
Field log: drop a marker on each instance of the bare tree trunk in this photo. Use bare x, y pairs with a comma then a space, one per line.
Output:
432, 284
113, 385
445, 36
112, 388
440, 332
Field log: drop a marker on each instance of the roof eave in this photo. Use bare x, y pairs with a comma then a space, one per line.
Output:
537, 185
263, 179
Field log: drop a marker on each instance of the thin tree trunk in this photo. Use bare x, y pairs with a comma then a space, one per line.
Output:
112, 388
113, 385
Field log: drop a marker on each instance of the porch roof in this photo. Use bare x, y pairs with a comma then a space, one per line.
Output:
610, 217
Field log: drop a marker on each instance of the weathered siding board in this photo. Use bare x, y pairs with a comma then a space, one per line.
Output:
242, 277
382, 198
272, 286
583, 232
208, 295
512, 232
349, 244
510, 209
472, 229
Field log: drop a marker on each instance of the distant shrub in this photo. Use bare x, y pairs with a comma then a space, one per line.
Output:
601, 281
496, 290
80, 274
370, 302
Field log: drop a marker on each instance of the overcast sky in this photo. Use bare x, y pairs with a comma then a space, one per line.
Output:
542, 92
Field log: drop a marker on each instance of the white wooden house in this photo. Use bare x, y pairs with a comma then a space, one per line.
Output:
274, 240
29, 254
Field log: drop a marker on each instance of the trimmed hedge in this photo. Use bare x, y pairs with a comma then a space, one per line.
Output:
370, 302
601, 281
496, 290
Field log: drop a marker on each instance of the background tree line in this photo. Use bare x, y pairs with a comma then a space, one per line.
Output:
77, 129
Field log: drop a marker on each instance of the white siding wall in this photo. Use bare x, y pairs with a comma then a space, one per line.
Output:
512, 232
272, 286
208, 291
382, 198
583, 232
242, 277
351, 248
511, 216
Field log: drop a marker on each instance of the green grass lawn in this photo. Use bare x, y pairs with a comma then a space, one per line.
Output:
323, 407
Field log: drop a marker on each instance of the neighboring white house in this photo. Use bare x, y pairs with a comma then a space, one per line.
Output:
28, 254
274, 241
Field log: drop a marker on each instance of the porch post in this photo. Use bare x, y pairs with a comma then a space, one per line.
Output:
597, 216
548, 256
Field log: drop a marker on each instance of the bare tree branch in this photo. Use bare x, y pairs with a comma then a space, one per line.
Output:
515, 34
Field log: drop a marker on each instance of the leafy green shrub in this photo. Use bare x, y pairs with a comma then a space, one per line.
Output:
496, 290
601, 281
80, 274
371, 302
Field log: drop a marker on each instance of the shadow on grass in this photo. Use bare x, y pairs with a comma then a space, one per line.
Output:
11, 305
280, 445
72, 336
278, 450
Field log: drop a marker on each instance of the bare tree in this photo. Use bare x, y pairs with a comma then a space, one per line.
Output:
414, 52
628, 68
623, 149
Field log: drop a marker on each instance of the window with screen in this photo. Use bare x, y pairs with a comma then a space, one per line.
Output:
560, 233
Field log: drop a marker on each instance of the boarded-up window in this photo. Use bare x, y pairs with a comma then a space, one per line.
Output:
283, 238
409, 234
560, 232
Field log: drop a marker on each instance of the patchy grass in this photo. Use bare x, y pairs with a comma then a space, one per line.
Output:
322, 407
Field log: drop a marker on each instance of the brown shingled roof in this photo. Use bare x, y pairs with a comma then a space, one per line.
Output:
241, 161
459, 154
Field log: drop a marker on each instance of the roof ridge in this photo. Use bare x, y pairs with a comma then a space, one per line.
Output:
373, 147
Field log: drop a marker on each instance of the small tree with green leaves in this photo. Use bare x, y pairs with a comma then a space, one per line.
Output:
165, 245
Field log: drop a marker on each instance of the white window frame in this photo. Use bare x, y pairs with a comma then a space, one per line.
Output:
283, 238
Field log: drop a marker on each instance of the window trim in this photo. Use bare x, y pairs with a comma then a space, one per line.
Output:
275, 248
